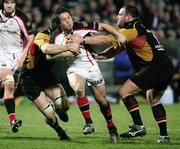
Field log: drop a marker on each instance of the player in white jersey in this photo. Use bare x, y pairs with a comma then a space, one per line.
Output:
83, 68
13, 26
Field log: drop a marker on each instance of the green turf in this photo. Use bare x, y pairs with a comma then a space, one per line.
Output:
35, 134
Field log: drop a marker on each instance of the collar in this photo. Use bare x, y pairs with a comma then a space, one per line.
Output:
66, 34
4, 17
130, 23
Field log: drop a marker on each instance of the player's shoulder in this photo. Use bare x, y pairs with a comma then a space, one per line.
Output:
82, 24
20, 14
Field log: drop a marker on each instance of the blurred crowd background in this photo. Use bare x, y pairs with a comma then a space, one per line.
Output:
160, 16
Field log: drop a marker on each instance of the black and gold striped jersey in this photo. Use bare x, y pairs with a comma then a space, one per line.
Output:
143, 47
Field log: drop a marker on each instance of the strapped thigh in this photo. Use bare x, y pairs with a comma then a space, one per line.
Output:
8, 78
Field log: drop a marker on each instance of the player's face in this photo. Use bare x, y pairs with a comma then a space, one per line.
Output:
66, 21
122, 17
9, 6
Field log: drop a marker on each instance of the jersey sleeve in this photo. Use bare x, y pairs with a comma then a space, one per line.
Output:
86, 26
42, 37
129, 33
25, 23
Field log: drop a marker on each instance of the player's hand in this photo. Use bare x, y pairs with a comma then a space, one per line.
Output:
122, 40
74, 48
19, 63
75, 38
98, 56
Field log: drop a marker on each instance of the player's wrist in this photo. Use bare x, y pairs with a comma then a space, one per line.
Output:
44, 48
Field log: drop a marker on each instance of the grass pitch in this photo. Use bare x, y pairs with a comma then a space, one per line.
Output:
35, 134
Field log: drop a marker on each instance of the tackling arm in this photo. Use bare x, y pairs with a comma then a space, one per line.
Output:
23, 55
66, 54
109, 52
111, 30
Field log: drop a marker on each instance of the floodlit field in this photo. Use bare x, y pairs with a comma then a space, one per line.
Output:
35, 134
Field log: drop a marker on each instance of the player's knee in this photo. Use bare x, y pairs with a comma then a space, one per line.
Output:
65, 105
79, 92
49, 112
61, 103
154, 102
121, 93
103, 104
8, 82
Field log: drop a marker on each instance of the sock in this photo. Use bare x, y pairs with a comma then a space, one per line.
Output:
83, 104
55, 125
133, 108
10, 107
160, 117
106, 111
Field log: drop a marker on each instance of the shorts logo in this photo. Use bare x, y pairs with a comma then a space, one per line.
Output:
96, 82
3, 65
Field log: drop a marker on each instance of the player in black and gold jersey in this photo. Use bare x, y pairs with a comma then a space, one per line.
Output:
41, 84
150, 60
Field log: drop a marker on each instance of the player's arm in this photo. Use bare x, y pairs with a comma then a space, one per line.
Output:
52, 49
28, 32
111, 30
108, 52
43, 41
67, 54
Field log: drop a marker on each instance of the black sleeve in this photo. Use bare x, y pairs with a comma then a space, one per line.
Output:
26, 21
91, 25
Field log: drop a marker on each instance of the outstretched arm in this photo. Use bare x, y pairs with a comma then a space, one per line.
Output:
52, 49
108, 53
23, 55
111, 30
43, 41
66, 54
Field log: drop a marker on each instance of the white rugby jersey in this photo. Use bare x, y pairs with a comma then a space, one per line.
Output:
84, 58
12, 29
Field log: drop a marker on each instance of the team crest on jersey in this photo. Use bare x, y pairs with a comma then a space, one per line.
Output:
85, 24
11, 22
28, 23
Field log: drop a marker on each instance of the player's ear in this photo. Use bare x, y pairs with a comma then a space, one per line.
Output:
128, 18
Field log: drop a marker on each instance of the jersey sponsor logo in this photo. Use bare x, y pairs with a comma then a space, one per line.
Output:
159, 47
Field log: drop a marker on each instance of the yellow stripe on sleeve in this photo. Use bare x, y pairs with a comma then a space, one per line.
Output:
41, 38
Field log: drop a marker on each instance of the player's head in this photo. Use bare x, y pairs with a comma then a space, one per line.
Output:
126, 14
8, 6
64, 19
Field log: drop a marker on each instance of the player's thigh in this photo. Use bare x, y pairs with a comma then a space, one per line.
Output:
76, 81
128, 88
53, 91
41, 102
30, 86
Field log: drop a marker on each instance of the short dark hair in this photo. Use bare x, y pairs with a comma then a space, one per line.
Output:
132, 10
